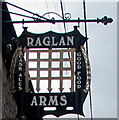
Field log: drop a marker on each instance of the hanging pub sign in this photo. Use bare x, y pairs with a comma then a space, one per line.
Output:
53, 58
52, 40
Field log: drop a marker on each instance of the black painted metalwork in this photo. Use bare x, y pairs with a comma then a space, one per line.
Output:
65, 18
105, 20
34, 14
6, 11
26, 104
60, 100
67, 15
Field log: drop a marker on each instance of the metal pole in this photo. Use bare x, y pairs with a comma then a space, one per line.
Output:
27, 11
104, 20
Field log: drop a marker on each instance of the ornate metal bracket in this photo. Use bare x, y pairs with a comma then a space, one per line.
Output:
66, 18
67, 15
105, 20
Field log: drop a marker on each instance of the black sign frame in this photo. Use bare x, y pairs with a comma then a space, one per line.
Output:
30, 101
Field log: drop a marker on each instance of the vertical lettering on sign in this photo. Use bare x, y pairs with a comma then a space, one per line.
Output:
78, 70
20, 71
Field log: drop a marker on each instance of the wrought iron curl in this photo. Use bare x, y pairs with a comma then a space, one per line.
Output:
67, 15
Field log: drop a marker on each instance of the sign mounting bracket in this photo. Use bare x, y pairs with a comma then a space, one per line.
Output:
105, 20
41, 19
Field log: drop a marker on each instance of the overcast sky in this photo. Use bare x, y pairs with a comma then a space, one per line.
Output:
102, 46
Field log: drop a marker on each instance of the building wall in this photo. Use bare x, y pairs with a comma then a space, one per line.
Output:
9, 108
0, 86
0, 62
